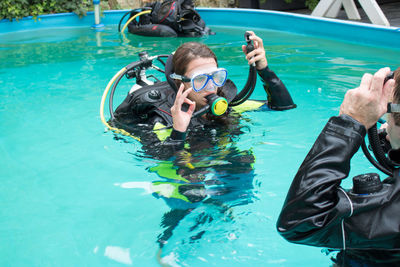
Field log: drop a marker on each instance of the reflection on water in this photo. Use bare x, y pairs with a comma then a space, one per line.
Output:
201, 183
118, 254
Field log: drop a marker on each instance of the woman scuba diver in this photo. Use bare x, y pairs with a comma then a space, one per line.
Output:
198, 93
211, 174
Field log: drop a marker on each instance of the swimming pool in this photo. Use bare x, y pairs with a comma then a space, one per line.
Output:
73, 195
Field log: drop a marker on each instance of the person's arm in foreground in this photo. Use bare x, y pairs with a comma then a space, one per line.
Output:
317, 211
278, 96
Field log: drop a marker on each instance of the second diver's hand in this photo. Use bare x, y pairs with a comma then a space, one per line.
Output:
368, 102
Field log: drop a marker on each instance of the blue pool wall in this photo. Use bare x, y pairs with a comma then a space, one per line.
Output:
247, 18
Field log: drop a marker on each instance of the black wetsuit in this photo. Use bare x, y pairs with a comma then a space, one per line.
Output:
318, 212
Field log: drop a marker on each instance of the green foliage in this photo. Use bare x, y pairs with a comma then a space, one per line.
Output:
17, 9
311, 4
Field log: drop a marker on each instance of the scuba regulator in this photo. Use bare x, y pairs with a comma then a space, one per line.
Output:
370, 182
216, 105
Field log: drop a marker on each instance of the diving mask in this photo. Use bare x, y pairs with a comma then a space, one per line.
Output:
200, 80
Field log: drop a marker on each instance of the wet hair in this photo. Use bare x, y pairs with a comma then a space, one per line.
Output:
396, 95
188, 52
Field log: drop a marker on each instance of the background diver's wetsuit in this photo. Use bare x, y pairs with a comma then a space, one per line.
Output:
318, 212
278, 99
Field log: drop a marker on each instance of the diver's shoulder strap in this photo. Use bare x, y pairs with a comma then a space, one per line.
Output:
143, 102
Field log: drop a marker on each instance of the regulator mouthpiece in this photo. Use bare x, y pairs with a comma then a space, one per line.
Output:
218, 104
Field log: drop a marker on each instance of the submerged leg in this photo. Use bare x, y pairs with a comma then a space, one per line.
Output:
171, 220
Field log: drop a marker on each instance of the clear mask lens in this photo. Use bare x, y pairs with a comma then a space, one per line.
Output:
219, 77
200, 81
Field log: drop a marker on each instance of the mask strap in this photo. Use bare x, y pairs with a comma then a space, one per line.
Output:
168, 70
393, 108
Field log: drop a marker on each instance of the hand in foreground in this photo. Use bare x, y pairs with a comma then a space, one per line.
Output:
368, 102
258, 54
181, 119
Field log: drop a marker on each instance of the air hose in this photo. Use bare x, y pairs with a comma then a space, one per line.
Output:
373, 161
103, 99
144, 63
248, 88
132, 18
127, 13
381, 162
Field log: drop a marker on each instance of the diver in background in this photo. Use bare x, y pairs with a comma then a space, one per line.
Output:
167, 19
363, 223
194, 77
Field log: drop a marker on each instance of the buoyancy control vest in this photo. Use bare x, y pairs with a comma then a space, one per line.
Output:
146, 103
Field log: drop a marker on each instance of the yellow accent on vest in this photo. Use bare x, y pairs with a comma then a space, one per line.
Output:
248, 105
161, 131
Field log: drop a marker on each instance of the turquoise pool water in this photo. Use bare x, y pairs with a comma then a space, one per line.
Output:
73, 195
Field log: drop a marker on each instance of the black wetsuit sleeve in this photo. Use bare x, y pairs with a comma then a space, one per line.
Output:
176, 140
315, 205
178, 136
167, 148
319, 212
278, 96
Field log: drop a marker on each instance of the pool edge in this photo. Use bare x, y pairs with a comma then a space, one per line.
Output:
355, 32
